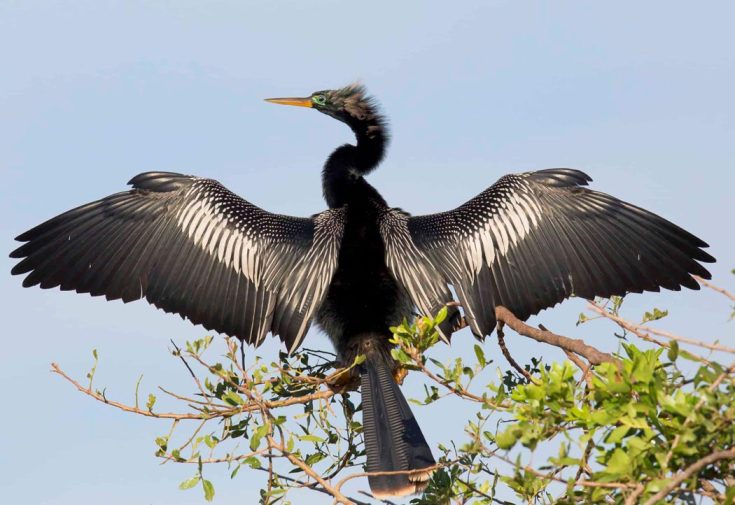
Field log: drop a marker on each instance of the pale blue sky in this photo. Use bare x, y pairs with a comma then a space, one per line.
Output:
639, 95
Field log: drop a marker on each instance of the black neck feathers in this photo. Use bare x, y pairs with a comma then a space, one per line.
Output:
342, 177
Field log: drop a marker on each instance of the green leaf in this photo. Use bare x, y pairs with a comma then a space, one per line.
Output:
617, 303
315, 458
441, 315
208, 490
673, 351
234, 472
730, 491
400, 355
189, 483
311, 438
233, 398
507, 439
617, 434
257, 436
210, 441
480, 355
619, 464
655, 315
252, 462
687, 355
151, 402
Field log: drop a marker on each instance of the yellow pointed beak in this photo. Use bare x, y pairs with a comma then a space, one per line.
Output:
298, 102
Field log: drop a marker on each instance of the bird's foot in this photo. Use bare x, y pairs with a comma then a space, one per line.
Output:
342, 381
399, 374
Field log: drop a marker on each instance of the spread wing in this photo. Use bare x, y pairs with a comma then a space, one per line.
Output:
532, 240
190, 246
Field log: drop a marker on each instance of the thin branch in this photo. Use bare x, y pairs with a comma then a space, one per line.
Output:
639, 329
508, 357
632, 498
583, 483
456, 388
420, 471
211, 461
585, 457
690, 471
484, 495
229, 411
333, 490
586, 376
708, 284
160, 415
309, 485
191, 372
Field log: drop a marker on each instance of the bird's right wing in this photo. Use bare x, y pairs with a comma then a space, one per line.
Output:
532, 240
190, 246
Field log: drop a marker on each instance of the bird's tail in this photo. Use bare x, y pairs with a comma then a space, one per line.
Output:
393, 439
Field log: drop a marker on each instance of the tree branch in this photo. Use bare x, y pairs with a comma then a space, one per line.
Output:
720, 290
127, 408
639, 329
691, 470
577, 346
508, 357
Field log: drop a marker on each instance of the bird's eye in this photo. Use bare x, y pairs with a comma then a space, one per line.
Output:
319, 99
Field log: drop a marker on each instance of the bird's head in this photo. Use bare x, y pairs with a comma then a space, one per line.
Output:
351, 105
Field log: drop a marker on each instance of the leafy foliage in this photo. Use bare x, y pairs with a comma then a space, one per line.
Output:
656, 426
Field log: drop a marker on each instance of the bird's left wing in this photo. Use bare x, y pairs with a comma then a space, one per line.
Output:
531, 240
190, 246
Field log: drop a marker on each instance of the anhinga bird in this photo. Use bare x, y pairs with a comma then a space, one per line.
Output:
190, 246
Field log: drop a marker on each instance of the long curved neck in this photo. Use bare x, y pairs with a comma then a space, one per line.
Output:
342, 177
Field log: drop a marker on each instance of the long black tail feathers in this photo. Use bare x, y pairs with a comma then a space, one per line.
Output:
393, 439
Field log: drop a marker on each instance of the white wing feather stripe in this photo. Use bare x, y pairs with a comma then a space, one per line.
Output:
202, 222
187, 213
218, 229
488, 246
509, 229
409, 263
325, 245
230, 246
508, 226
515, 229
236, 257
223, 245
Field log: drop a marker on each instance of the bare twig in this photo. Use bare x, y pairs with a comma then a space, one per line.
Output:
191, 372
585, 457
639, 329
711, 286
428, 469
309, 485
632, 498
127, 408
585, 368
333, 490
508, 357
